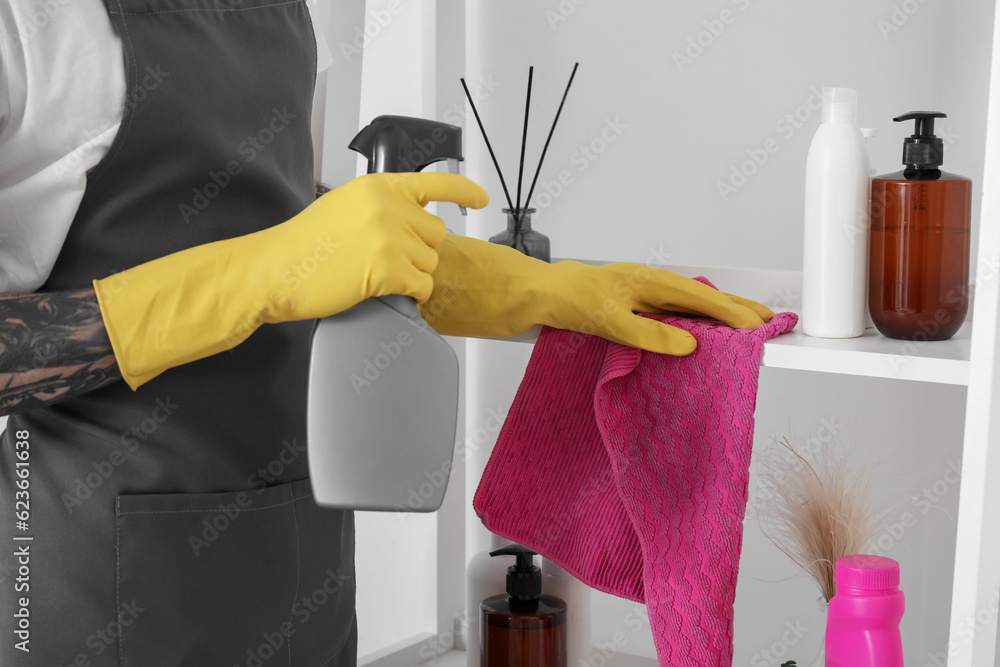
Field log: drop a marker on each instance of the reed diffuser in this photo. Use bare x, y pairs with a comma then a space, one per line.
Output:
816, 512
519, 234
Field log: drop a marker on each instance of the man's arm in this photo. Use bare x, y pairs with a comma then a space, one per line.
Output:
52, 346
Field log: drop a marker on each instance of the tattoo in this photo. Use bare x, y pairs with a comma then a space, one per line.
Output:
52, 346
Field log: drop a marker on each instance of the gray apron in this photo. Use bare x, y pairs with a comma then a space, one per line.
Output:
175, 525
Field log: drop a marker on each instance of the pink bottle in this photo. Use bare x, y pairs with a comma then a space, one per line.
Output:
862, 625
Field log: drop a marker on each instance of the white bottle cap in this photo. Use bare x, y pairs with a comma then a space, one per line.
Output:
840, 105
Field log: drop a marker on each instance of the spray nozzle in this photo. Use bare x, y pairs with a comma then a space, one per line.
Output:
524, 579
402, 143
922, 149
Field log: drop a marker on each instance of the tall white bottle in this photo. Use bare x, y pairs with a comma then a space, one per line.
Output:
576, 594
485, 577
835, 257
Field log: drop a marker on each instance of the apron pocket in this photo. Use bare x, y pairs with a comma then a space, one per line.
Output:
247, 578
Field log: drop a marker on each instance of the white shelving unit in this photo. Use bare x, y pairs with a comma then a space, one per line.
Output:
971, 359
976, 578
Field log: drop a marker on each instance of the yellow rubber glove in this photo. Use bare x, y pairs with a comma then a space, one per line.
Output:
370, 237
484, 289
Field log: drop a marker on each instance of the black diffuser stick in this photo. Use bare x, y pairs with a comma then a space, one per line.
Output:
524, 141
531, 190
488, 146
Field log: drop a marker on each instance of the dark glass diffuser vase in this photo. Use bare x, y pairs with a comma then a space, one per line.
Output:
520, 236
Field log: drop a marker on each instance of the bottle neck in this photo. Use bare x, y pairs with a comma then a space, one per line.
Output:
523, 605
519, 220
912, 172
863, 592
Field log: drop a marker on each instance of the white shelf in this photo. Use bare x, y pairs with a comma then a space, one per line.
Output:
874, 355
870, 355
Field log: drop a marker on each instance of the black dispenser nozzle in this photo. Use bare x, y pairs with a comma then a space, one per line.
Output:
524, 579
401, 143
922, 149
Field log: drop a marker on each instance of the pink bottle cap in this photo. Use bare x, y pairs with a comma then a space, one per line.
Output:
867, 573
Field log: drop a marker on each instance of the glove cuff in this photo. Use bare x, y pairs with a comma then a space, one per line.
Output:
180, 308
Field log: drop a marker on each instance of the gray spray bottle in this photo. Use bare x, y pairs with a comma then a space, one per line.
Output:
383, 385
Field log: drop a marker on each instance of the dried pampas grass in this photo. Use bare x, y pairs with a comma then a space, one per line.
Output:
816, 512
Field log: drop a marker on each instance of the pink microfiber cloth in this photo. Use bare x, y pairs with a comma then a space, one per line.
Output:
629, 469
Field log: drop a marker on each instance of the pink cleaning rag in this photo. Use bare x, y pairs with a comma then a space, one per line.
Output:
629, 469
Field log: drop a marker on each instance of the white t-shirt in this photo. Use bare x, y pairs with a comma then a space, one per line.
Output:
62, 93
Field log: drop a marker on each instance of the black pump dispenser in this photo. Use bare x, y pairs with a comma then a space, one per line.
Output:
524, 578
922, 150
525, 627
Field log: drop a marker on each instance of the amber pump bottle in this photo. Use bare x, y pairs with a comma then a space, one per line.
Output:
918, 284
524, 627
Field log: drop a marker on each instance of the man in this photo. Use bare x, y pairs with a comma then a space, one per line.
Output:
158, 218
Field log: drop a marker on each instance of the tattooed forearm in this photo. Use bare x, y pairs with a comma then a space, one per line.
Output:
52, 346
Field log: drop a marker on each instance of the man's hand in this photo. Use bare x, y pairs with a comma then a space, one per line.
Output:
483, 289
369, 237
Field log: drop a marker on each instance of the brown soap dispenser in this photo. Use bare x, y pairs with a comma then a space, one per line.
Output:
524, 627
918, 281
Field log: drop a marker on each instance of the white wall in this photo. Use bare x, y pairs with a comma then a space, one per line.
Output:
685, 130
